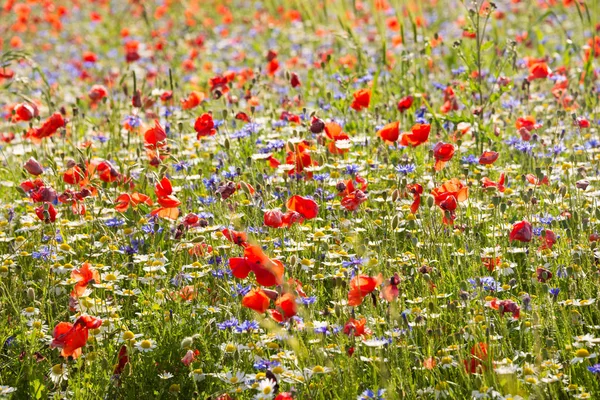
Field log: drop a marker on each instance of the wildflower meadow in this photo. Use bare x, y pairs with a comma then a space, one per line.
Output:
299, 199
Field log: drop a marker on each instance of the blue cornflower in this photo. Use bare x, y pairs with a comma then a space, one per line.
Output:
351, 169
206, 200
321, 177
405, 169
181, 166
353, 262
241, 290
101, 138
470, 159
114, 222
247, 326
152, 228
132, 120
487, 282
307, 300
44, 253
228, 324
180, 278
594, 369
370, 394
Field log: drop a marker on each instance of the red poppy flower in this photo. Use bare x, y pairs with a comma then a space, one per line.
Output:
242, 116
48, 128
416, 190
528, 123
390, 290
235, 237
488, 157
357, 328
390, 132
284, 396
429, 363
126, 200
334, 132
46, 213
583, 123
168, 202
272, 66
290, 218
490, 263
300, 159
549, 239
193, 100
205, 126
362, 98
289, 117
97, 93
479, 355
361, 286
418, 134
268, 272
487, 182
405, 103
536, 181
442, 152
506, 306
453, 187
538, 70
23, 112
352, 201
256, 300
83, 277
450, 102
70, 338
447, 197
166, 95
304, 206
122, 360
273, 218
521, 231
285, 307
154, 136
107, 173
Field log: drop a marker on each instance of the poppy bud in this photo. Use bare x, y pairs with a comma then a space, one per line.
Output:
582, 184
317, 125
33, 167
294, 80
340, 187
136, 101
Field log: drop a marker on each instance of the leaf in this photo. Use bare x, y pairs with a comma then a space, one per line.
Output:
487, 46
37, 389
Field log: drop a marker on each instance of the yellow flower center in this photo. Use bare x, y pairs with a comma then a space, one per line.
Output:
29, 309
278, 369
110, 277
57, 369
582, 353
230, 348
146, 344
318, 369
267, 390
